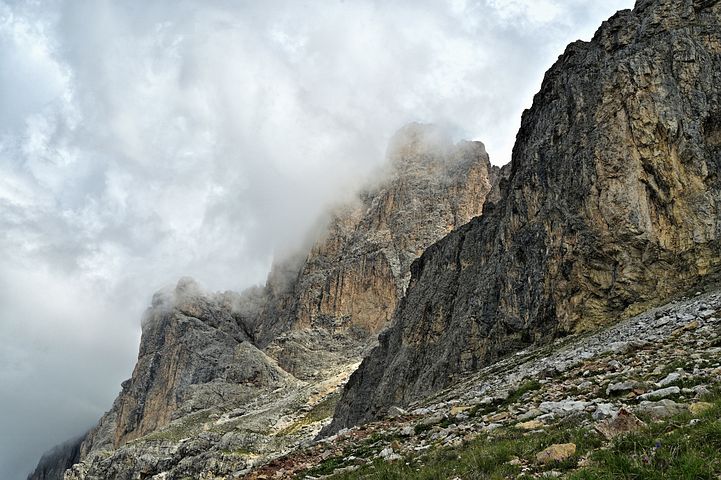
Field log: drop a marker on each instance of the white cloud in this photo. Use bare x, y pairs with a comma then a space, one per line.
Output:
140, 142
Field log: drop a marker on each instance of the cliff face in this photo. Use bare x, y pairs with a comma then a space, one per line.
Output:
331, 302
249, 372
359, 267
612, 206
194, 354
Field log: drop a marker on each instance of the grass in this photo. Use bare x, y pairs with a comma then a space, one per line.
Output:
680, 448
486, 458
672, 449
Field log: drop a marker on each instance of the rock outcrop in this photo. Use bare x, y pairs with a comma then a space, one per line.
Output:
194, 354
53, 464
225, 380
611, 207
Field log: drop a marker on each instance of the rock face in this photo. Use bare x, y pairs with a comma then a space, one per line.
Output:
194, 354
611, 207
347, 287
219, 374
357, 270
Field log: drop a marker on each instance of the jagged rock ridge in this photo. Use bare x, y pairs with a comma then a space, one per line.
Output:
612, 206
224, 373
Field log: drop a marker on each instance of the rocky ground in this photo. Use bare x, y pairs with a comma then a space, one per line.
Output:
566, 401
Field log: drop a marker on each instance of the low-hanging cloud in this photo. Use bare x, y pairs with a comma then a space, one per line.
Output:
144, 141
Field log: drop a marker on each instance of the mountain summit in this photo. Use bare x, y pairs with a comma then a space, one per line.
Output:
612, 207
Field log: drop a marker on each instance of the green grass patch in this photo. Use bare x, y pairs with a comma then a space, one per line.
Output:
675, 449
483, 458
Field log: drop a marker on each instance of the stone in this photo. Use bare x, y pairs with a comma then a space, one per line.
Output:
491, 427
530, 425
556, 453
671, 378
619, 424
660, 393
622, 387
407, 431
701, 391
615, 365
389, 455
563, 407
604, 410
662, 409
396, 412
455, 410
432, 420
498, 417
691, 326
530, 414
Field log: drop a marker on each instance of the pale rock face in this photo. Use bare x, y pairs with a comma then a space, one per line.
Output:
349, 284
612, 206
194, 354
357, 270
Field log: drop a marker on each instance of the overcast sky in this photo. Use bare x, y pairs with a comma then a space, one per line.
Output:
141, 141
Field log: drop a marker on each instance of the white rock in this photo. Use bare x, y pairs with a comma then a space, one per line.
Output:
670, 378
604, 410
564, 406
660, 393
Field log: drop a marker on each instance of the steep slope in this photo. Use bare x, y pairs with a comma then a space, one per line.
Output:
194, 354
225, 380
612, 206
638, 399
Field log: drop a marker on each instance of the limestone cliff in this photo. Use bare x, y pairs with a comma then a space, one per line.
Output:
349, 284
194, 354
612, 206
359, 267
219, 374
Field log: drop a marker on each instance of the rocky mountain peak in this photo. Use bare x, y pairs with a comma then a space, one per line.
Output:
612, 206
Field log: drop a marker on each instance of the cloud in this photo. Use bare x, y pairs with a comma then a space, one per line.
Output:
144, 141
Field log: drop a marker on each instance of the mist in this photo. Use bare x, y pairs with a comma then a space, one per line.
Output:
144, 141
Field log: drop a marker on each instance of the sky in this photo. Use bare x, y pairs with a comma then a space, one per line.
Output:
144, 141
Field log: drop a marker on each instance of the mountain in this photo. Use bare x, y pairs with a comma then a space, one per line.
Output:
54, 463
227, 380
612, 207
